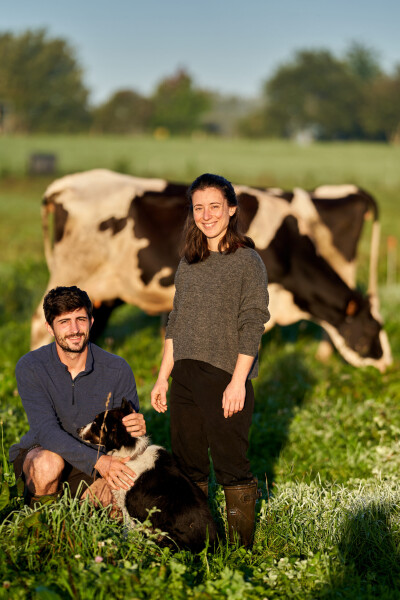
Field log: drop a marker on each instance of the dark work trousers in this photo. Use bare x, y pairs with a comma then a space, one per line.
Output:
198, 424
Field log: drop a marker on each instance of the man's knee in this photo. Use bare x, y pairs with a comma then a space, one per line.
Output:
42, 468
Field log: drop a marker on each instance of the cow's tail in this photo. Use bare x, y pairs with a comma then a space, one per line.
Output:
47, 208
374, 247
374, 259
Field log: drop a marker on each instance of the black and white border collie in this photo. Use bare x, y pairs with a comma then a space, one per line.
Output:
182, 507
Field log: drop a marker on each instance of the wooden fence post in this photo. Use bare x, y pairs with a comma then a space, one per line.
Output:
391, 266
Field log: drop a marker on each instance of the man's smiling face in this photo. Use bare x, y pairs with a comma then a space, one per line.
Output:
71, 330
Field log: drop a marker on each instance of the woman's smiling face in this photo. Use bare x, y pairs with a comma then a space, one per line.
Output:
211, 214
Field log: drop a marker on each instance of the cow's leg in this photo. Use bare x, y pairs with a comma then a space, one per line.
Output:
325, 348
101, 314
39, 334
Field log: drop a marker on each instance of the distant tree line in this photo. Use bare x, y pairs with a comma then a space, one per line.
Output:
41, 84
315, 95
330, 98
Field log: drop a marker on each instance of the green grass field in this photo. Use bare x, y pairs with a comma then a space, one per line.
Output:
269, 163
325, 441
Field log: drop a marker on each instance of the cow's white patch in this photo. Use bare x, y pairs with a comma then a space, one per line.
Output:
326, 192
283, 308
311, 224
269, 216
304, 208
275, 191
92, 186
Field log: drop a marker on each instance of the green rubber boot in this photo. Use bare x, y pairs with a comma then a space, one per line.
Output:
240, 509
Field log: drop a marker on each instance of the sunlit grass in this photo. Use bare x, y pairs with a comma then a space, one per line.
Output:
325, 440
255, 162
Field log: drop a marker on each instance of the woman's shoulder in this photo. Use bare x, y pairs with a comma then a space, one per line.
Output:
183, 265
251, 263
249, 255
182, 269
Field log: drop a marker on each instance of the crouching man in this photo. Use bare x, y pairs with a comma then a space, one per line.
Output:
63, 386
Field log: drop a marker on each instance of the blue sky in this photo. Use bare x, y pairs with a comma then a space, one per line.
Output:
231, 46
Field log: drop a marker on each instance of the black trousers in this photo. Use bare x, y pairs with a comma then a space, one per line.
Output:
198, 424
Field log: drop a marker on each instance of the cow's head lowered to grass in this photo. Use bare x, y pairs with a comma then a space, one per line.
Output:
118, 237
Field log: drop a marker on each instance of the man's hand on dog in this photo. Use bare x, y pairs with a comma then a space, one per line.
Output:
135, 424
115, 472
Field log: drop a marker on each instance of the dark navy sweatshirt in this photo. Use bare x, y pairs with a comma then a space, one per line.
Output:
57, 405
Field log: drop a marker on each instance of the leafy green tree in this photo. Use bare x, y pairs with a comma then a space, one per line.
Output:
225, 114
253, 125
178, 105
41, 83
314, 92
125, 112
381, 111
363, 62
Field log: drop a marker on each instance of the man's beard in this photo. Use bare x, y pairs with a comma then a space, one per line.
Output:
63, 345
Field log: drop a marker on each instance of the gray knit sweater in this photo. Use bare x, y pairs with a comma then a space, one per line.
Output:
220, 308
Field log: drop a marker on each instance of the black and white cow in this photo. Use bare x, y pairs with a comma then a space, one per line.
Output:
118, 237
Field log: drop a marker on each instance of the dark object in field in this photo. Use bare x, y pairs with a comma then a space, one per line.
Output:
42, 164
182, 507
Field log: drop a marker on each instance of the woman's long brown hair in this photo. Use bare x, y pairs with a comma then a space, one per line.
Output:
195, 245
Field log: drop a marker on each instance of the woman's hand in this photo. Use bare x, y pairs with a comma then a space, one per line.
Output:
159, 395
115, 472
235, 393
233, 398
159, 391
135, 424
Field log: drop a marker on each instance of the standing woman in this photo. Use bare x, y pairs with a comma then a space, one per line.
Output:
211, 349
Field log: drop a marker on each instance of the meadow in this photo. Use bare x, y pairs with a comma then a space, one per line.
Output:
325, 440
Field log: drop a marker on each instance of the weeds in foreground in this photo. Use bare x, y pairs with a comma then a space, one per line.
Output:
312, 540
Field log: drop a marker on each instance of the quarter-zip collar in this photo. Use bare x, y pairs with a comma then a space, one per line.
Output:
89, 365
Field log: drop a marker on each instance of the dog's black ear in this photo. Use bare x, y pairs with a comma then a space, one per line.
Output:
126, 406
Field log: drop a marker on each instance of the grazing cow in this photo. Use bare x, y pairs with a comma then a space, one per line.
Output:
335, 217
118, 237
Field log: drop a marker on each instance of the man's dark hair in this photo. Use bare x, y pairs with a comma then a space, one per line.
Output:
65, 299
